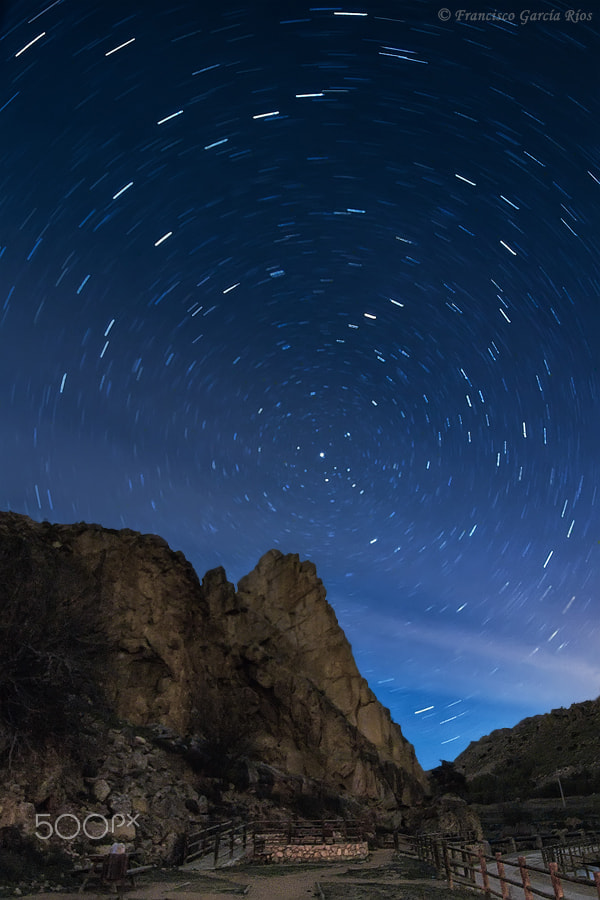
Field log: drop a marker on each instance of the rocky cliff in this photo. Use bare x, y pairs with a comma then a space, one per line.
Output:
267, 666
527, 760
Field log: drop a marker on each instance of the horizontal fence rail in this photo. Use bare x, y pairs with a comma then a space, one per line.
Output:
580, 856
225, 840
466, 863
543, 840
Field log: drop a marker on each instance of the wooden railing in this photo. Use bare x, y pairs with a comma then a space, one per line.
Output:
466, 863
224, 839
220, 841
581, 855
543, 840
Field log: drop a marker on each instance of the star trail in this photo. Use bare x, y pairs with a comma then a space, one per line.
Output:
324, 279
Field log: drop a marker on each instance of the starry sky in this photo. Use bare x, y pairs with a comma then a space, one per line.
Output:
324, 279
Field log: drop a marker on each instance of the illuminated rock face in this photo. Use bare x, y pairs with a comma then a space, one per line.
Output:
357, 738
272, 654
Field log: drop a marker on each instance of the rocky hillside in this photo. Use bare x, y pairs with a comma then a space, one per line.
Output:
527, 760
259, 682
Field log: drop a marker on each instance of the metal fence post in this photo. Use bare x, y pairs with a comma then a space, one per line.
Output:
525, 878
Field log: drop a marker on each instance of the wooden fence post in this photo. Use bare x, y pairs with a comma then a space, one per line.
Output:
484, 874
525, 878
231, 843
556, 885
448, 867
217, 840
504, 887
471, 870
436, 854
468, 870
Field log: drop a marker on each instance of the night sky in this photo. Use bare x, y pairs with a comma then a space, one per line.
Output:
322, 279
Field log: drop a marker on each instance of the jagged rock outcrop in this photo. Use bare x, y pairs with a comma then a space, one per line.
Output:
527, 760
449, 815
270, 656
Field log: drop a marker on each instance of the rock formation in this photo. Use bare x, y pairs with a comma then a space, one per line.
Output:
527, 760
268, 664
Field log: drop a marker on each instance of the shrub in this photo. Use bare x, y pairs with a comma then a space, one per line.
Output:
224, 733
445, 779
21, 858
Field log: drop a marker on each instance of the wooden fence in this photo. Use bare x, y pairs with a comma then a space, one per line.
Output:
544, 839
468, 864
226, 840
219, 841
572, 858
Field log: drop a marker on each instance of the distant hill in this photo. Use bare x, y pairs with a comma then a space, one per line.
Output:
528, 760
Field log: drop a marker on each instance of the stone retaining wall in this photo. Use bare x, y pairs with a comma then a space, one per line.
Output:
311, 852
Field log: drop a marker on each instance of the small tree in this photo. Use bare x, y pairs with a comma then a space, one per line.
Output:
445, 779
224, 732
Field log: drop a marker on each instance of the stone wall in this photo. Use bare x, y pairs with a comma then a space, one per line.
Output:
312, 852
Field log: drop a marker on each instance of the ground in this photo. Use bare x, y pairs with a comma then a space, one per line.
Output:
384, 876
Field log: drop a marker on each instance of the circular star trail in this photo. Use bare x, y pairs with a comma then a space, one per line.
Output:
324, 279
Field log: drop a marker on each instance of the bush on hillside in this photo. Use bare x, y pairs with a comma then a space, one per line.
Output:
224, 734
446, 779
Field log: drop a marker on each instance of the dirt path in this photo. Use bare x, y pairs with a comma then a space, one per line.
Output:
297, 885
381, 877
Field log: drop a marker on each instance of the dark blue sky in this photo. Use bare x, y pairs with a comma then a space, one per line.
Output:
327, 280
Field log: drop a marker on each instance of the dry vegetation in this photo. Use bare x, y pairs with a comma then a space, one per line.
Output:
49, 646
